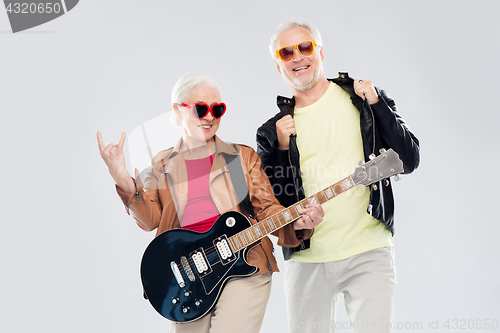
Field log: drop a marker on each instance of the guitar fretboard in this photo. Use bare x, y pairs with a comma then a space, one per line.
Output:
261, 229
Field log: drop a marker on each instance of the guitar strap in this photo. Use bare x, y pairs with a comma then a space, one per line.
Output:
239, 182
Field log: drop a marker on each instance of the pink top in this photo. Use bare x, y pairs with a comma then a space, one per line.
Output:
200, 212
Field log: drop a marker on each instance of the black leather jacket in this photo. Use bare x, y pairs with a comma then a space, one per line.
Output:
381, 127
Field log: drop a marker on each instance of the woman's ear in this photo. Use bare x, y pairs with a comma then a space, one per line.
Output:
175, 106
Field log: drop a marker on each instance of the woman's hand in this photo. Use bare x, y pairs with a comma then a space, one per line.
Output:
313, 215
114, 158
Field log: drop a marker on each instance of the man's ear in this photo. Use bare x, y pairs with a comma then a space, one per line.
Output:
322, 55
278, 66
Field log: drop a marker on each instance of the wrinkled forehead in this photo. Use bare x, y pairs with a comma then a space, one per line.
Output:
294, 36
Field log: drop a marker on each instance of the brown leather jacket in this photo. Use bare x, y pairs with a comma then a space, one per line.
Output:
161, 197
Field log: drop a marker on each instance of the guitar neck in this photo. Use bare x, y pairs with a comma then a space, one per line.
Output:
288, 215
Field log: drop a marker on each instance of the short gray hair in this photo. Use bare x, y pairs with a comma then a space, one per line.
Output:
284, 27
183, 88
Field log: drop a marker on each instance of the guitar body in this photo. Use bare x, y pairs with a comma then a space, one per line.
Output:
184, 272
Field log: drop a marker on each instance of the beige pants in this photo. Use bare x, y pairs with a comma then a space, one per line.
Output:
367, 280
240, 308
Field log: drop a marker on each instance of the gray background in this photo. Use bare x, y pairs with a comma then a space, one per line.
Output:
70, 255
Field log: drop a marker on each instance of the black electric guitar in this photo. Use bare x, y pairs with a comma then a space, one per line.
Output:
183, 272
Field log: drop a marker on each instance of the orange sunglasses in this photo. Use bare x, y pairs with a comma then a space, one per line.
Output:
305, 48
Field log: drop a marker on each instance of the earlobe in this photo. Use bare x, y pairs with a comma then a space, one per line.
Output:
321, 54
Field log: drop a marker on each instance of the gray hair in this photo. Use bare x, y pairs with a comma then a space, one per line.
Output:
284, 27
183, 88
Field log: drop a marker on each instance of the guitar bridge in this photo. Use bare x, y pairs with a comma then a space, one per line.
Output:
224, 251
177, 274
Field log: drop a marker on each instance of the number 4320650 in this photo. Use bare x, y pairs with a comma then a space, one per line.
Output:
32, 8
477, 324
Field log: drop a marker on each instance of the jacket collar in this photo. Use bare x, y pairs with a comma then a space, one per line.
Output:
286, 105
224, 148
173, 164
221, 147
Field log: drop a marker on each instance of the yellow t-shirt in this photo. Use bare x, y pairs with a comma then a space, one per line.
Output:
330, 147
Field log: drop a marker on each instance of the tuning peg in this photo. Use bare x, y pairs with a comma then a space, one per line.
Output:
382, 150
361, 162
372, 156
397, 178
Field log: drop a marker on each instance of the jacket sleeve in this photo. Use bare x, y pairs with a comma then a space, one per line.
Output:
265, 203
266, 140
276, 164
144, 205
394, 132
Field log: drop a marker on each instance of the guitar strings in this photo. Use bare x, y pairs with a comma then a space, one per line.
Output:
209, 253
212, 250
260, 225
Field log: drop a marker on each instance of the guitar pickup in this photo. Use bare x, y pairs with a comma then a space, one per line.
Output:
200, 262
224, 251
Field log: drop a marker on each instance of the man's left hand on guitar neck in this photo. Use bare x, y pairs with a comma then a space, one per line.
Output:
313, 215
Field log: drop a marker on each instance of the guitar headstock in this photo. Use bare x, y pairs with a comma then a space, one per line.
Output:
383, 166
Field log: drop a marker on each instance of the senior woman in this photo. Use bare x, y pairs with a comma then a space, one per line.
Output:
198, 191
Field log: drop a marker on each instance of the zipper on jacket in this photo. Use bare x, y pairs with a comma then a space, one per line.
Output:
294, 179
373, 127
227, 181
289, 153
370, 206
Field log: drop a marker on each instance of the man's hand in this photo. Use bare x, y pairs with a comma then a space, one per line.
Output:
313, 215
366, 90
284, 128
115, 161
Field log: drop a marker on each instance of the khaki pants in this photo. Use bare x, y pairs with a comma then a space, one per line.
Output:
240, 308
367, 280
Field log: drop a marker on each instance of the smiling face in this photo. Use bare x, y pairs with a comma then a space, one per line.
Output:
302, 72
197, 132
